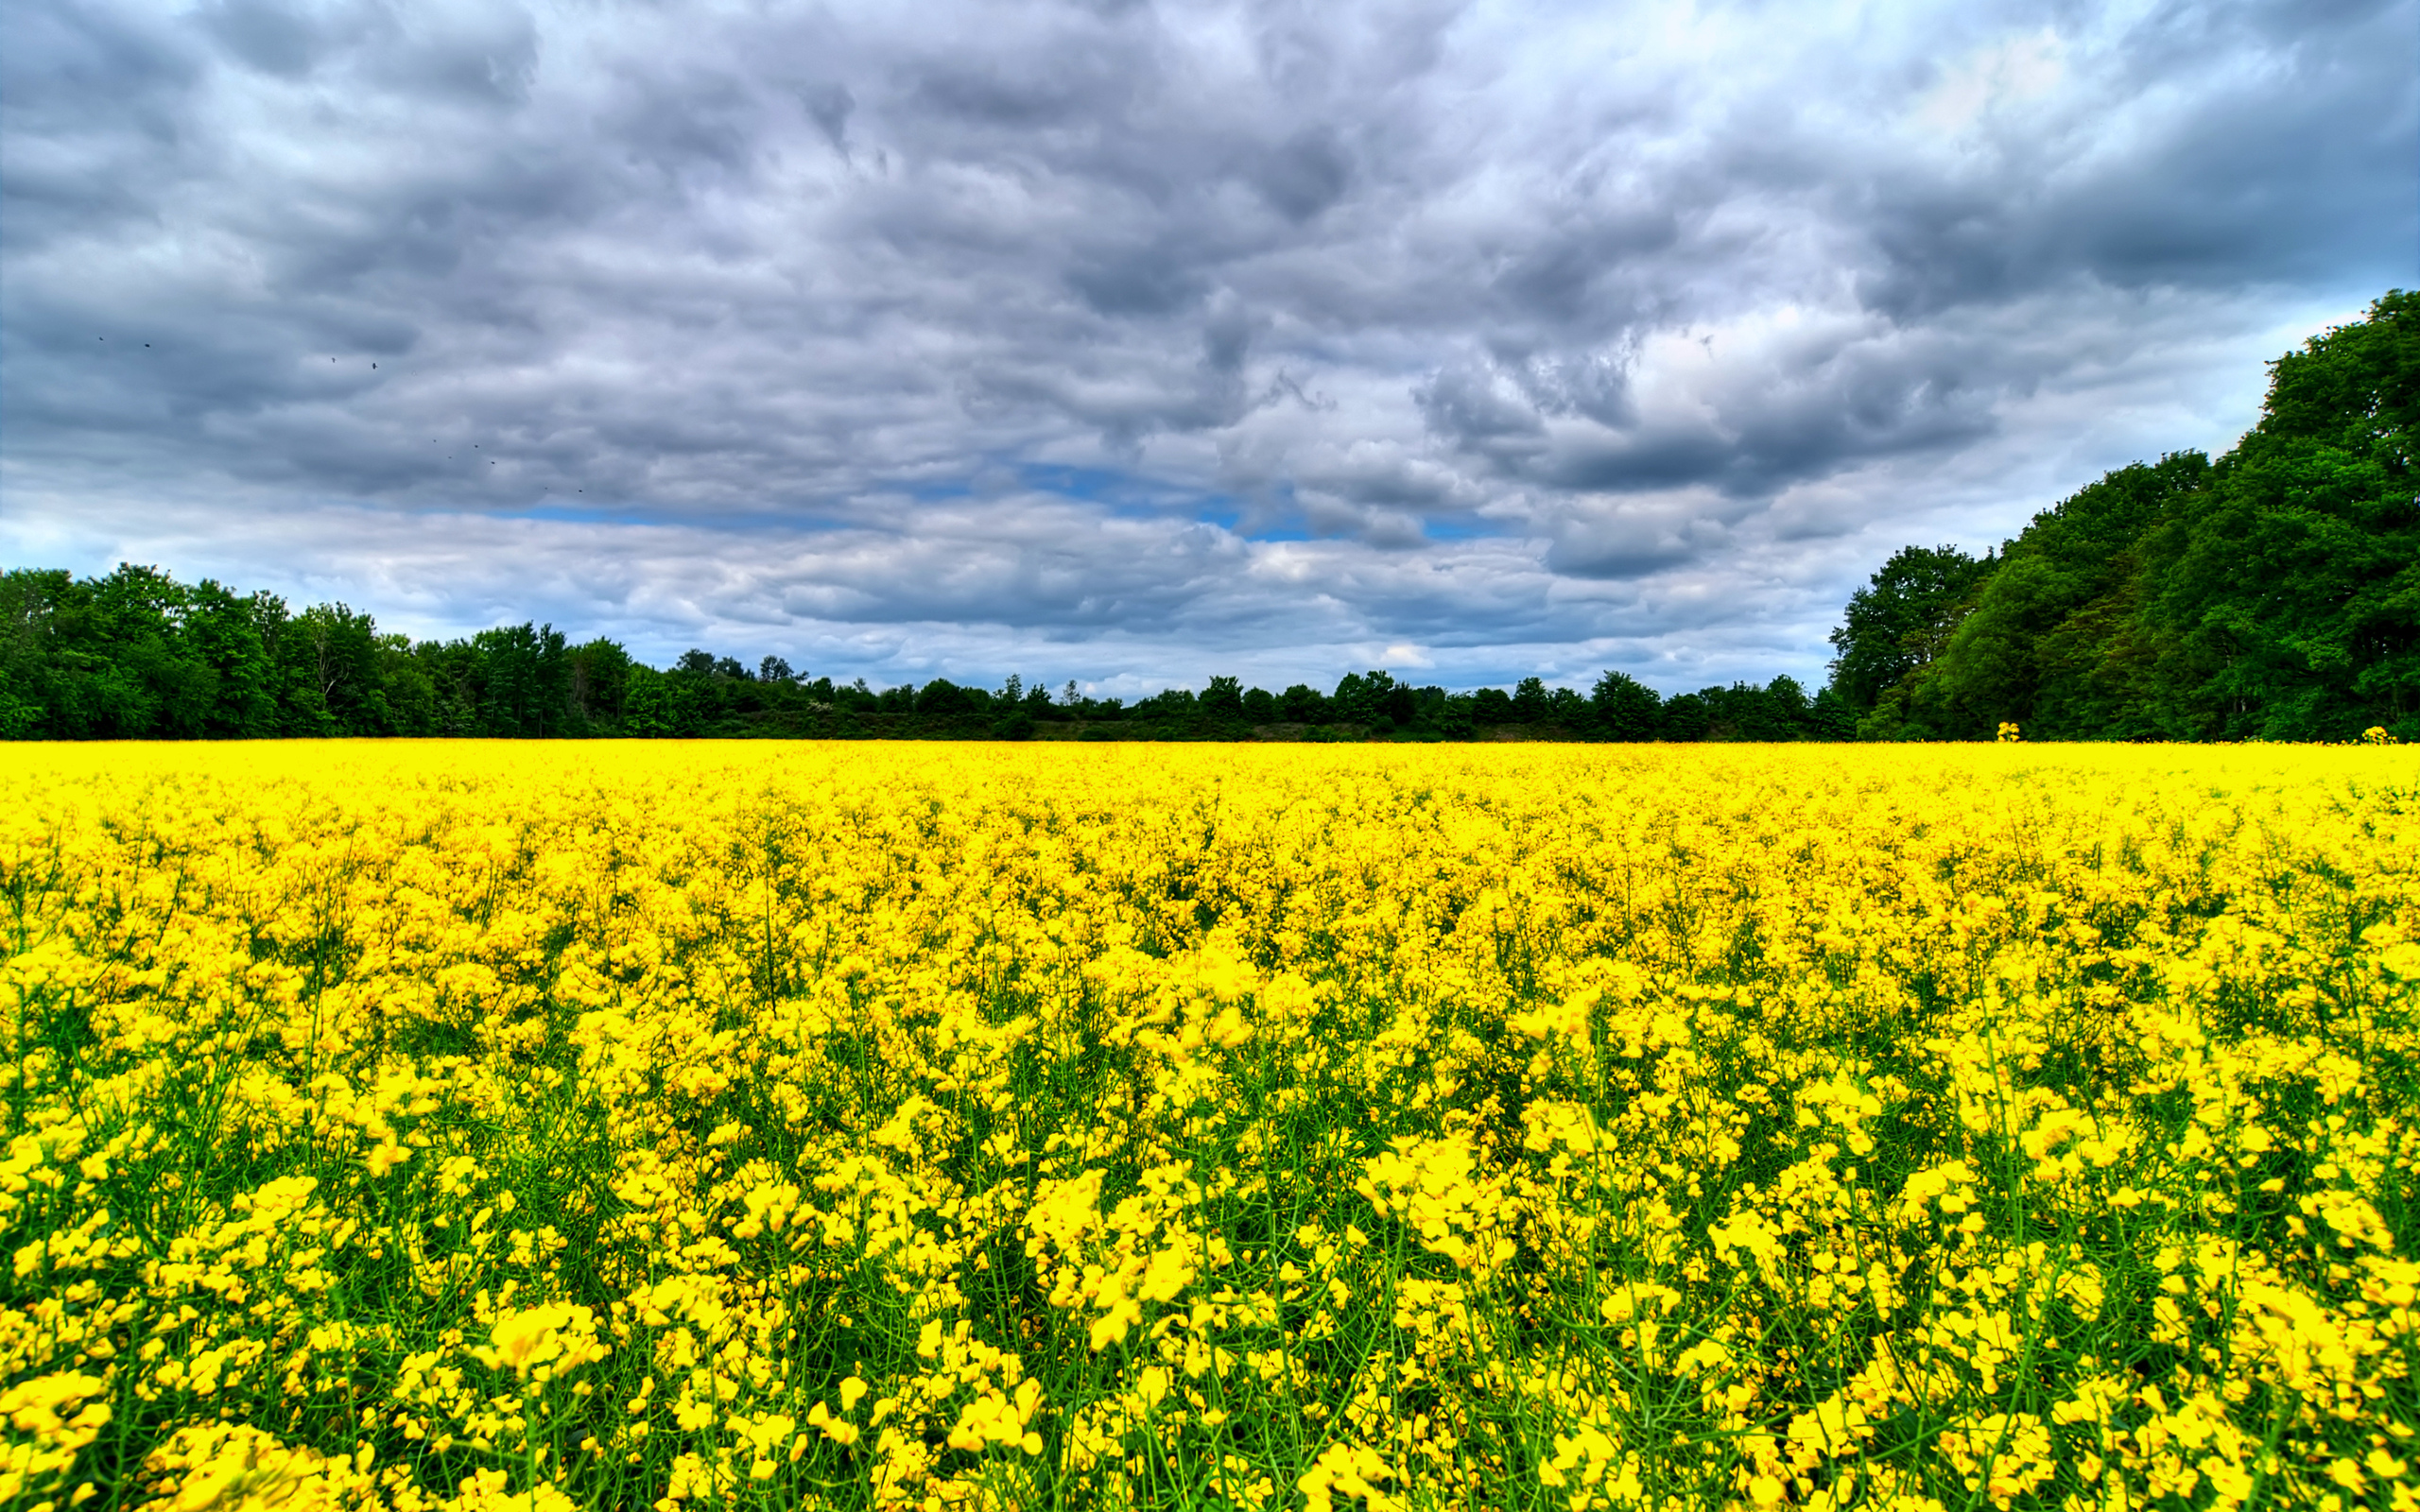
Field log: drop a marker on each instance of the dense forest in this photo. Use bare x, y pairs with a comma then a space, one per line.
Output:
2273, 593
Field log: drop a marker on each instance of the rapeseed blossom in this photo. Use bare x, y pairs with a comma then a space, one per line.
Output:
431, 1128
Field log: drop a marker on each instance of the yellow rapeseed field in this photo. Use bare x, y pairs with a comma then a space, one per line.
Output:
1341, 1129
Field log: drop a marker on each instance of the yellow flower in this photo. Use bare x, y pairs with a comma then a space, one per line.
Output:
543, 1341
1364, 1099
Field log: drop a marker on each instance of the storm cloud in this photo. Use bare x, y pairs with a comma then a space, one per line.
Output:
1141, 341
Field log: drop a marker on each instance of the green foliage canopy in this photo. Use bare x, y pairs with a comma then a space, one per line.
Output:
2273, 593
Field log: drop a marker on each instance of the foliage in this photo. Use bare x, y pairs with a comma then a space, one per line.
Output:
1507, 1127
137, 655
2272, 595
2291, 595
2050, 641
1900, 622
1627, 709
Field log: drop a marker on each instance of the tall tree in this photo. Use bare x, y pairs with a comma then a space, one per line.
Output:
2290, 598
228, 633
2275, 593
2050, 642
1303, 704
526, 680
329, 657
1902, 619
599, 678
1626, 708
943, 696
25, 598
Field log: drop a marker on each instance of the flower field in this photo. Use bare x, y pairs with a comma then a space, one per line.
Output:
1328, 1127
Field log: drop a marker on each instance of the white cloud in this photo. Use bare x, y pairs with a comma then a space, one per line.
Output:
2010, 73
1148, 341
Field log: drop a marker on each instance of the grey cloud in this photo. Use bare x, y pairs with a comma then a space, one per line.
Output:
1136, 281
1548, 328
1593, 385
1801, 409
1631, 539
1563, 279
1373, 525
1305, 174
485, 57
72, 170
1226, 337
692, 120
1652, 460
828, 106
2231, 157
1835, 414
1391, 478
1477, 406
267, 36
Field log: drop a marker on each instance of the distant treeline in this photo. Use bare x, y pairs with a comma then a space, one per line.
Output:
138, 655
2273, 593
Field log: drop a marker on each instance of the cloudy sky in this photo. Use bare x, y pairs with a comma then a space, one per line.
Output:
1141, 339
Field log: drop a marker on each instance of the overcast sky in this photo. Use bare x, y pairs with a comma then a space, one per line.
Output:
1140, 341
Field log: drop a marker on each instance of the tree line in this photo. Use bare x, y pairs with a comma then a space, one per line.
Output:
139, 655
2273, 593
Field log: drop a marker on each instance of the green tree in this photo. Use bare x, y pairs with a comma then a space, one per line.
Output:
329, 660
1363, 698
648, 704
29, 599
943, 696
1830, 718
1303, 704
2051, 640
525, 675
599, 674
1744, 712
103, 657
2275, 593
2287, 604
1626, 708
230, 633
1686, 717
410, 692
454, 670
1902, 619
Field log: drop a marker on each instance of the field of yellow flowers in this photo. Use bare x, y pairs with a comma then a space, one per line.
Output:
1341, 1128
